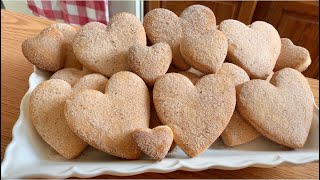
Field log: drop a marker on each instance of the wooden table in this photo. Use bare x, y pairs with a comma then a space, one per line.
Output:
15, 71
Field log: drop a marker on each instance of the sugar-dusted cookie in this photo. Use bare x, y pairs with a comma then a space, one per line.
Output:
106, 121
150, 62
292, 56
191, 76
105, 50
155, 142
199, 17
51, 50
197, 114
47, 114
255, 48
91, 81
70, 75
204, 51
163, 25
238, 131
280, 110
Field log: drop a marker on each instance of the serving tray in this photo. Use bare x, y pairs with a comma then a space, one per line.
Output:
29, 156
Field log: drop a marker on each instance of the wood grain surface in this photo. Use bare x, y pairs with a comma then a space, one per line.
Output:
15, 71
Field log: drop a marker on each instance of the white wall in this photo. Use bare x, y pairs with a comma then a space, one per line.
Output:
17, 6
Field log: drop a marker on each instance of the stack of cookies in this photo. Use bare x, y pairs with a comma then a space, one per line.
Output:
196, 82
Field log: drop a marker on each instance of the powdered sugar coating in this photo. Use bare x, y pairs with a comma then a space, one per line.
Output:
254, 48
154, 142
282, 110
47, 114
150, 62
292, 56
196, 114
105, 50
106, 121
204, 51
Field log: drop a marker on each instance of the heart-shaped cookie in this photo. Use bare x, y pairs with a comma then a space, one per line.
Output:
292, 56
45, 50
199, 17
68, 34
280, 110
155, 142
150, 62
106, 50
162, 25
191, 76
51, 50
204, 51
197, 114
91, 81
254, 48
47, 113
70, 75
238, 131
106, 121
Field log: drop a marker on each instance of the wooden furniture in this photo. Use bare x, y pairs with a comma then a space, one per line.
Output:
15, 71
295, 20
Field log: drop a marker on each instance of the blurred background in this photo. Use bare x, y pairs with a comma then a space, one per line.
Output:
296, 20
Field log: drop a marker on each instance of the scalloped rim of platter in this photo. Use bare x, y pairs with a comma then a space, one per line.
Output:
29, 156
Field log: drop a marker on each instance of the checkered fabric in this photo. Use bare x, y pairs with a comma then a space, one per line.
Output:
71, 12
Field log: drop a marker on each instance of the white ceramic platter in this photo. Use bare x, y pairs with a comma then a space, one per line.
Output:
29, 156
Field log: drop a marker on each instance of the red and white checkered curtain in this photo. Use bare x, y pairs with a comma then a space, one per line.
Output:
72, 12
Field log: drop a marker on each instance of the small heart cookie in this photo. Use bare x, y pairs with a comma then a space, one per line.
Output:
155, 142
150, 62
197, 114
292, 56
255, 48
204, 51
70, 75
238, 131
47, 113
106, 121
280, 110
105, 50
51, 49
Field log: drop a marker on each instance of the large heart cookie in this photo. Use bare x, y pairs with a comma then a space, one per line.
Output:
238, 131
282, 110
106, 50
51, 50
292, 56
47, 113
204, 51
197, 114
106, 121
155, 142
254, 48
150, 62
